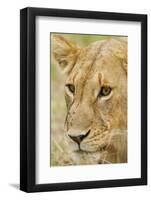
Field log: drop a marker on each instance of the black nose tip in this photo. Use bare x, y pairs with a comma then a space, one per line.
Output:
78, 139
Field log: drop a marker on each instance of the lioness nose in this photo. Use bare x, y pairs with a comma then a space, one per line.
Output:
78, 139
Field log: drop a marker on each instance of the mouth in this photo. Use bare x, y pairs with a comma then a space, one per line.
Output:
101, 149
80, 151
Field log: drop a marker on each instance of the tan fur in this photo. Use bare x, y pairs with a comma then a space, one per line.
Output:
88, 69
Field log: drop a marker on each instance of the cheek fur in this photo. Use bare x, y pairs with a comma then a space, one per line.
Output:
68, 100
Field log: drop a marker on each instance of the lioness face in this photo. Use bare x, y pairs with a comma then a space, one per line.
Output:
95, 93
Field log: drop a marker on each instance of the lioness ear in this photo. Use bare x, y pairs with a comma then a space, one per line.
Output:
125, 57
124, 64
121, 52
65, 53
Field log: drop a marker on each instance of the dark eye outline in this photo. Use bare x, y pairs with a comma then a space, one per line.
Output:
62, 62
104, 93
71, 88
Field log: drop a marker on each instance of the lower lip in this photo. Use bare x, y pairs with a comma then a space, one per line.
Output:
80, 151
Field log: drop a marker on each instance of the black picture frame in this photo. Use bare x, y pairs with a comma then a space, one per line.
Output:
28, 99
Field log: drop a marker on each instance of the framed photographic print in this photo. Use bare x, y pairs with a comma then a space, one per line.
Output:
83, 99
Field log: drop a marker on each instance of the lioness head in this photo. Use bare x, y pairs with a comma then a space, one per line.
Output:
95, 94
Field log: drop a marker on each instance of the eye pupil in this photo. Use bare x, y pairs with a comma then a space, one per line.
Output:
105, 90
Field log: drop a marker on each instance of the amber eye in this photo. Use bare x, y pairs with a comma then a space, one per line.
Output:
105, 91
63, 63
71, 88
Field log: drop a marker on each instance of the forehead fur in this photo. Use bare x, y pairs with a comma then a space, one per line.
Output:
100, 57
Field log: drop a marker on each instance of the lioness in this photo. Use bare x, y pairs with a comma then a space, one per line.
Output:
96, 98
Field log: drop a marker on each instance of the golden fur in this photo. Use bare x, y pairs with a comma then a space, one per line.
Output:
103, 119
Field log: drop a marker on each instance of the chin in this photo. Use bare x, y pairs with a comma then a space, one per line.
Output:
83, 156
86, 158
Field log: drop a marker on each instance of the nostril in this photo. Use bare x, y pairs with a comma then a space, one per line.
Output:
79, 138
84, 136
75, 139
